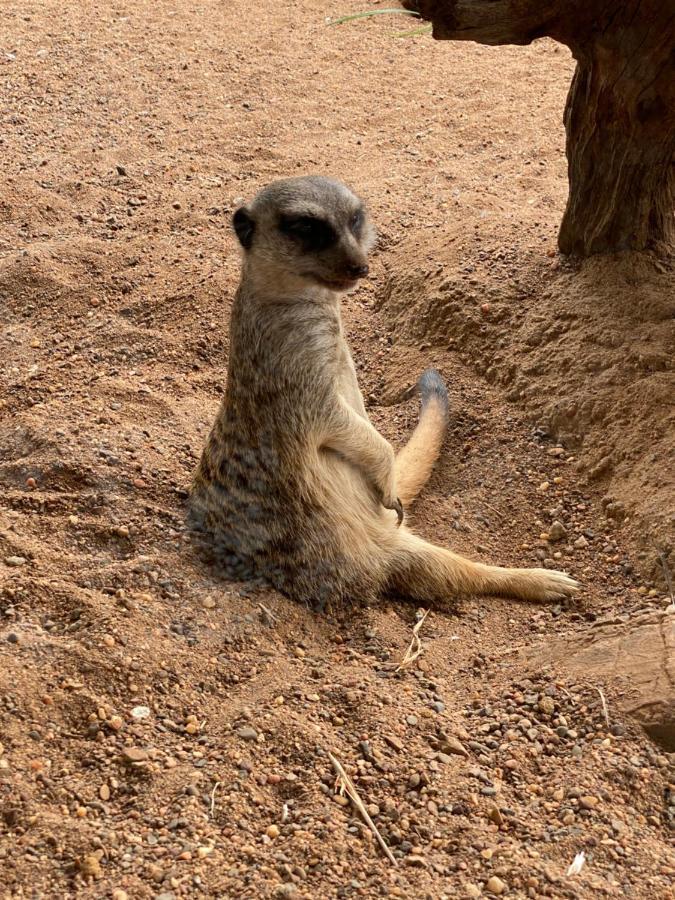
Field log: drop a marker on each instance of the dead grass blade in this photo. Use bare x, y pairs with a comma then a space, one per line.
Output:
347, 786
213, 798
414, 651
605, 710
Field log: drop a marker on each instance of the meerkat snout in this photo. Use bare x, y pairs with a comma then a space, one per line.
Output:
306, 229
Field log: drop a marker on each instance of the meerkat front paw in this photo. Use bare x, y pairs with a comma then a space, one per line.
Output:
396, 505
390, 501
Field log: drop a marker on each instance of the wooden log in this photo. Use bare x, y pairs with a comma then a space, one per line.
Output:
620, 112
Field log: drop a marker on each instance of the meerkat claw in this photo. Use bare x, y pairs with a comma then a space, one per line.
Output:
398, 506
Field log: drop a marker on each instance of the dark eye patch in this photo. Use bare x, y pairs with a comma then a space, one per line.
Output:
356, 221
311, 233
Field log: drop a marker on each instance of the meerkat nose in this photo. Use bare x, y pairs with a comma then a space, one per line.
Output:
358, 270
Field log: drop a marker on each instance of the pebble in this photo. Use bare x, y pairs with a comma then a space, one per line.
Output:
272, 831
104, 792
588, 802
119, 894
450, 744
90, 866
133, 755
471, 889
546, 706
557, 532
285, 890
580, 543
246, 733
140, 712
15, 561
495, 885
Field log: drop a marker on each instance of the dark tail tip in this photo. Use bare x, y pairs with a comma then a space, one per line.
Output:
432, 387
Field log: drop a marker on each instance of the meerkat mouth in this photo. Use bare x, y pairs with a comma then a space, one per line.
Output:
337, 284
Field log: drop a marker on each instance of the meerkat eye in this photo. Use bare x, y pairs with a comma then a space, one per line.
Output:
356, 221
311, 233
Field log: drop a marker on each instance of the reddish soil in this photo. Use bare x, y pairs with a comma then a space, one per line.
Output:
164, 733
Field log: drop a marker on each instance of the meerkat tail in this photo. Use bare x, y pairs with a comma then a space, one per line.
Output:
416, 460
425, 572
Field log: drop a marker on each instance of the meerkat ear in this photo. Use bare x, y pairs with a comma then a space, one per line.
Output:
244, 227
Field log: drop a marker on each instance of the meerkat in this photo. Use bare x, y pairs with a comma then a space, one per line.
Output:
295, 486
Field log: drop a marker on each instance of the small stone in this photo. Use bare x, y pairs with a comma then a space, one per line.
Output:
341, 800
495, 885
209, 602
557, 532
116, 723
272, 831
471, 889
415, 860
108, 640
90, 866
192, 728
122, 531
543, 487
581, 543
119, 894
246, 733
394, 742
31, 483
134, 755
588, 802
12, 638
300, 654
495, 816
546, 706
450, 744
104, 792
15, 561
140, 712
203, 852
285, 890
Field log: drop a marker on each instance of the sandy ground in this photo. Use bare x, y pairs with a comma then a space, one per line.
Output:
164, 733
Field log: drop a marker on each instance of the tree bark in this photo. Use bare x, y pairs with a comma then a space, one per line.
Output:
620, 113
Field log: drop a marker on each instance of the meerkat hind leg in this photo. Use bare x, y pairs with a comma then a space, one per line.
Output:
423, 571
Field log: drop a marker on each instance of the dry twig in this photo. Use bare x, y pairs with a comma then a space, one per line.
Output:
347, 786
605, 710
268, 612
213, 797
414, 651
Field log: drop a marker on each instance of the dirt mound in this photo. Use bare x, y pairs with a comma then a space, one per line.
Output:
587, 350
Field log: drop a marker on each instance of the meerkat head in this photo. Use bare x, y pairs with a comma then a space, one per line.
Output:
308, 230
